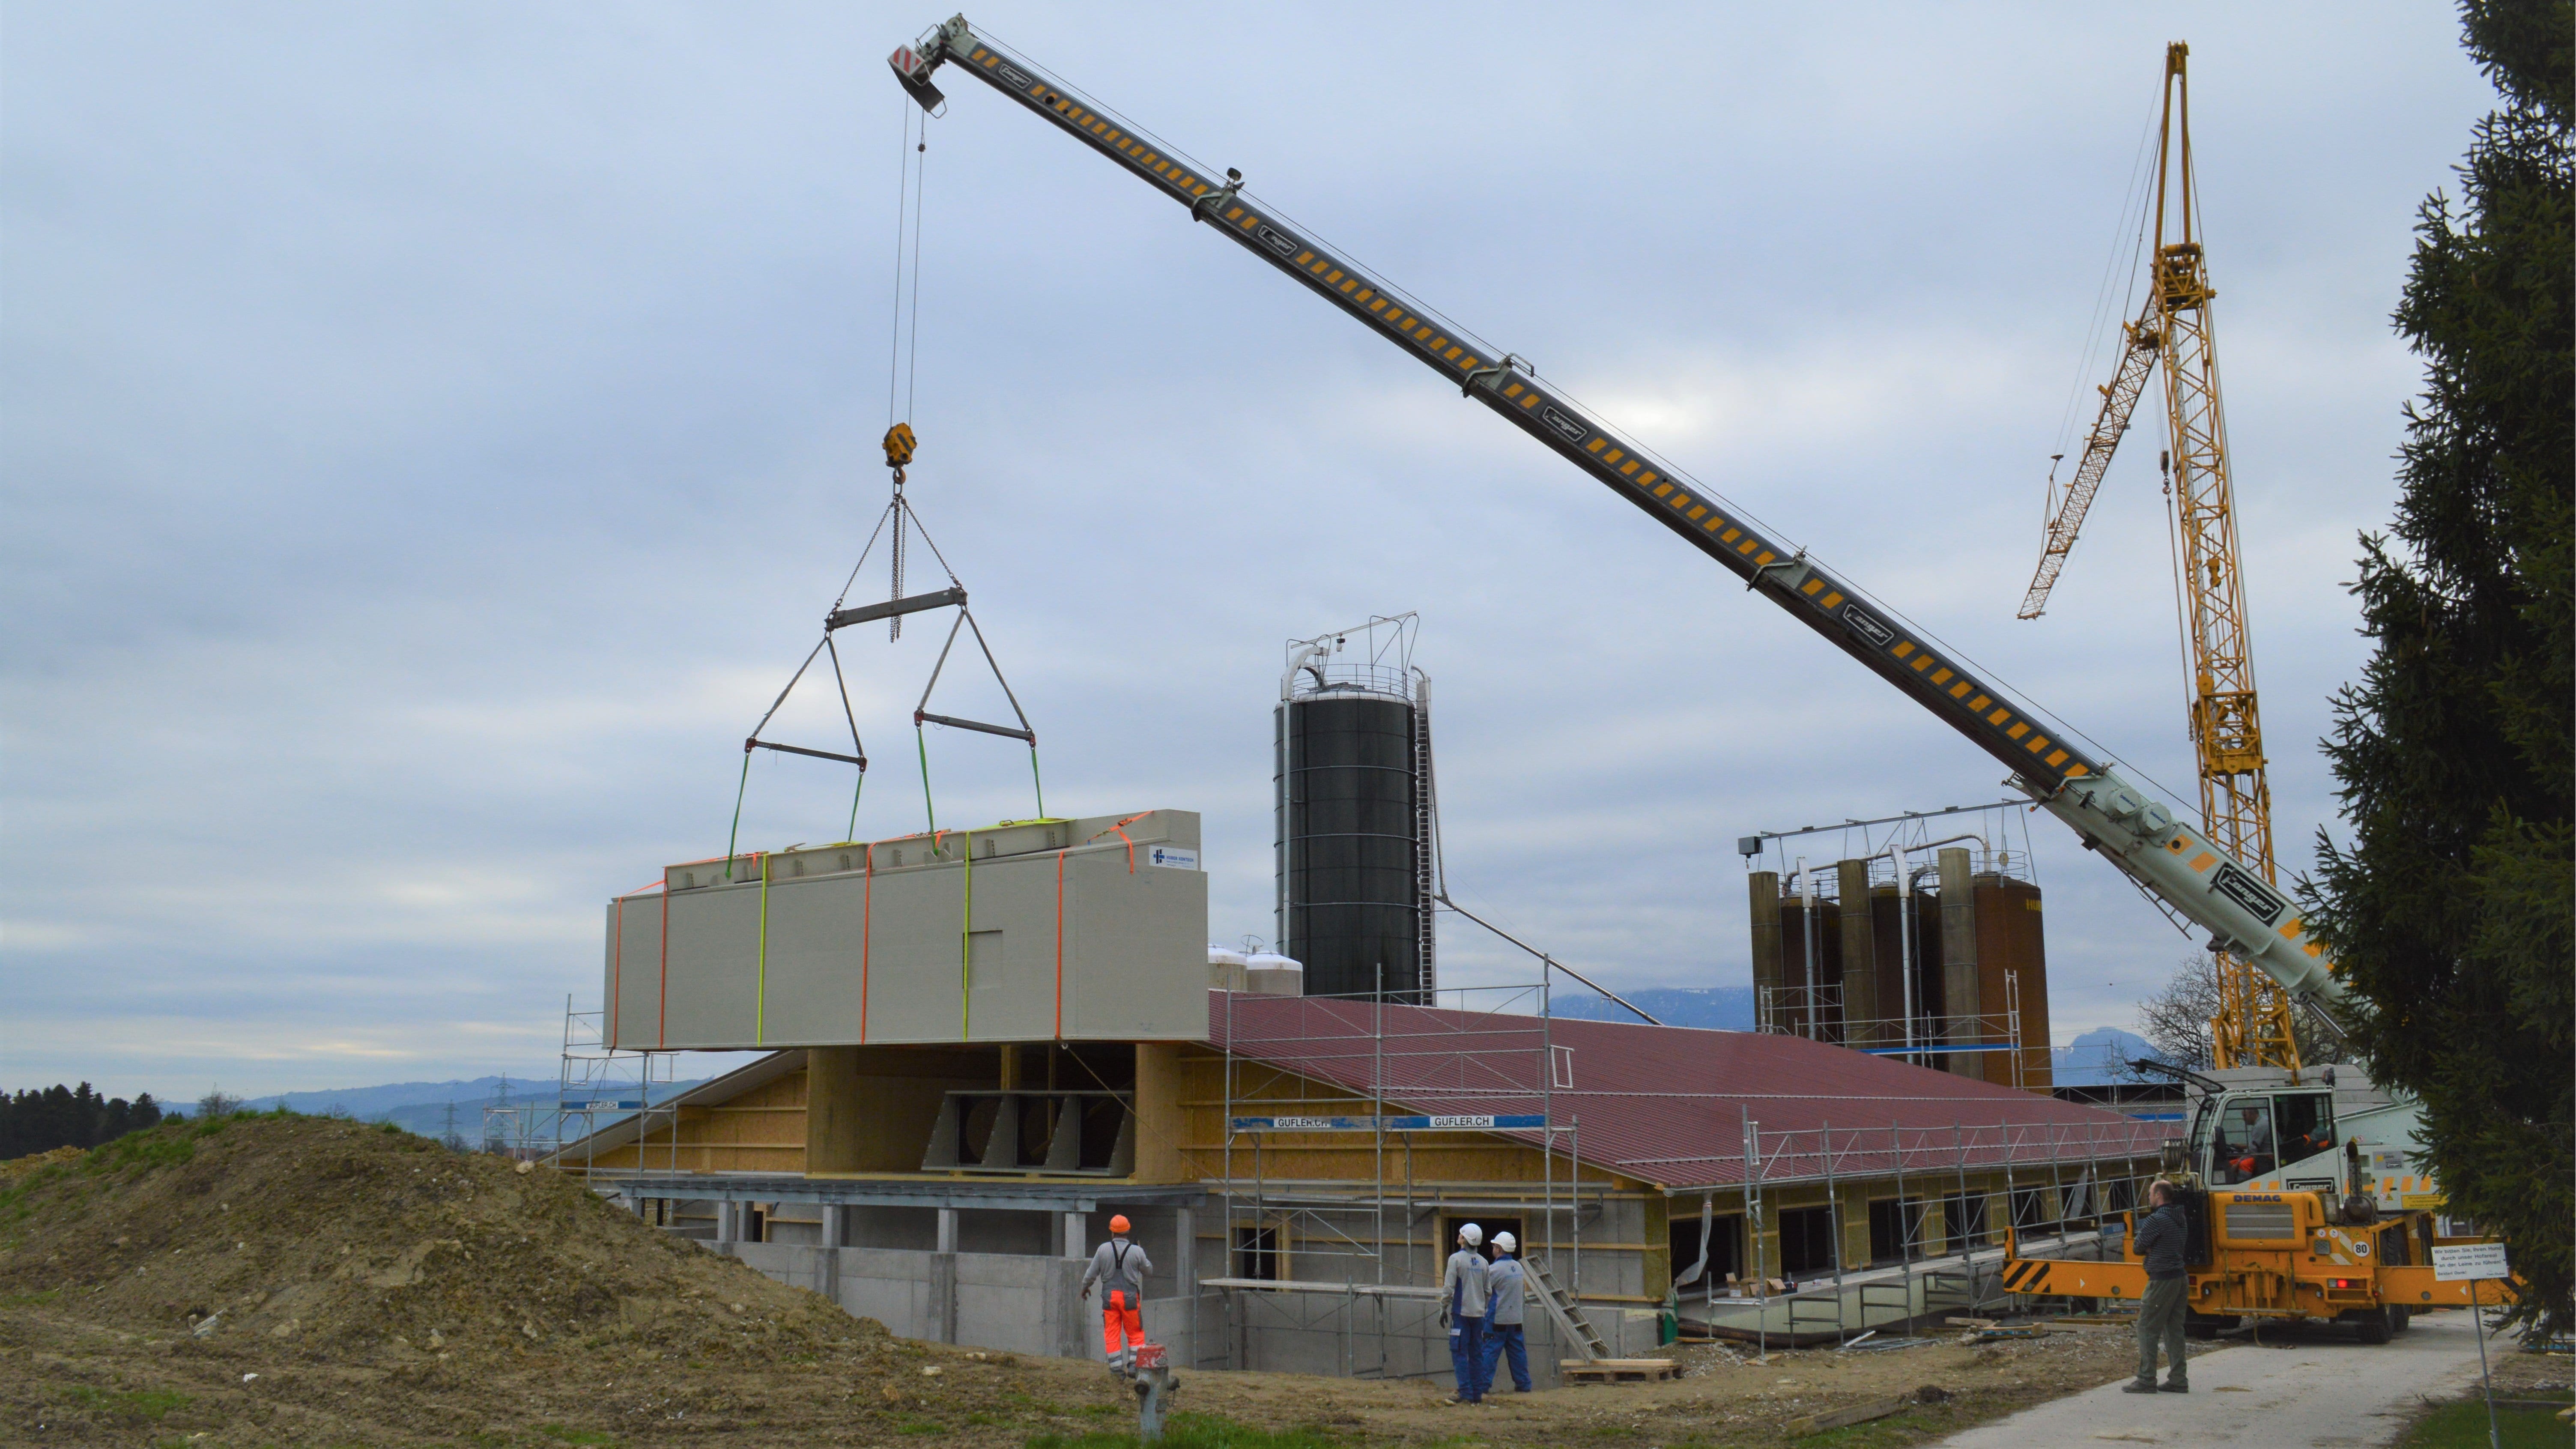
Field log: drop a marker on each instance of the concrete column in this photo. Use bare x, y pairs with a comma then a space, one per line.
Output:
1763, 888
836, 1226
943, 1281
1074, 1228
1860, 958
1959, 996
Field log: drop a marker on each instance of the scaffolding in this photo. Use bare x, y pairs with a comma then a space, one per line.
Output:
1485, 1056
597, 1084
1488, 1067
1898, 852
1816, 1013
2063, 1184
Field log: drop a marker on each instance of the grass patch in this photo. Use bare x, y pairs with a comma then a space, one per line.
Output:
1908, 1426
145, 1149
29, 1300
920, 1426
1200, 1431
563, 1433
2463, 1425
143, 1403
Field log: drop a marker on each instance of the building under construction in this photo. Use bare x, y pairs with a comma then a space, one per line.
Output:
981, 1043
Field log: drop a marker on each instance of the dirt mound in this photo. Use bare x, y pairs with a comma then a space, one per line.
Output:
349, 1237
18, 1167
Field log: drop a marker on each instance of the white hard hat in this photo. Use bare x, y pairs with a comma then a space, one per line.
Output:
1506, 1243
1473, 1234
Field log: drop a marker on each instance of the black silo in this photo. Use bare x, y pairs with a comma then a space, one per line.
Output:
1349, 849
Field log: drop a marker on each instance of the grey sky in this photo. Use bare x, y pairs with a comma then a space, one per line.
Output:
433, 431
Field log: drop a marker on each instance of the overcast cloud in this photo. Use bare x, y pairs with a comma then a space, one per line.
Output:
432, 432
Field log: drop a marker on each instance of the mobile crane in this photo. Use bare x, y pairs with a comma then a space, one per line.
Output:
2323, 1207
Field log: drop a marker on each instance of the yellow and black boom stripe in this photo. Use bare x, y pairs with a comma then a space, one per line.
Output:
1971, 706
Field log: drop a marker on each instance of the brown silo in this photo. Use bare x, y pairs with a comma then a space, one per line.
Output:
2011, 938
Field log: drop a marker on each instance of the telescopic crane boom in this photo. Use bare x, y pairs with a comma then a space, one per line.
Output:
2181, 865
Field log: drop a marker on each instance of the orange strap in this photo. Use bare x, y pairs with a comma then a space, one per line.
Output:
1120, 829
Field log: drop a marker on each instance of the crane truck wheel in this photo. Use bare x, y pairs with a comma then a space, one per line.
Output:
2399, 1316
2196, 1324
2373, 1323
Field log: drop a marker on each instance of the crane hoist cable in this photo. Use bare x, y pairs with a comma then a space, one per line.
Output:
897, 518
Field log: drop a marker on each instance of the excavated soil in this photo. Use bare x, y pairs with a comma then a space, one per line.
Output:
306, 1281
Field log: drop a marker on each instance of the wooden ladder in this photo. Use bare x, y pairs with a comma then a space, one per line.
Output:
1576, 1328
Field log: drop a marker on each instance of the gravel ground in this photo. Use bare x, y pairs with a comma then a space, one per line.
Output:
296, 1281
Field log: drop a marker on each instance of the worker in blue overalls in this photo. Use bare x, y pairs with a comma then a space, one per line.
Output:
1463, 1291
1503, 1341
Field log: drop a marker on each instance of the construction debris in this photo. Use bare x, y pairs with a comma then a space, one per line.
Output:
1837, 1418
1617, 1370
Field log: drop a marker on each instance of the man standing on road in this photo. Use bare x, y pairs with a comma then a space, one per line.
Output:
1463, 1291
2160, 1313
1503, 1319
1119, 1267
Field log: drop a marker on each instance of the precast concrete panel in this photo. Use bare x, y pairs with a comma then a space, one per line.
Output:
1092, 929
634, 936
703, 1003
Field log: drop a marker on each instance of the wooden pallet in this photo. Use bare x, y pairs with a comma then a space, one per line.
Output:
1616, 1370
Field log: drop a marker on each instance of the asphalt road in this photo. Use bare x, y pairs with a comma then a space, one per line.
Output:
2314, 1388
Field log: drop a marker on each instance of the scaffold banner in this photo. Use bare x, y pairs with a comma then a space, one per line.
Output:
1434, 1123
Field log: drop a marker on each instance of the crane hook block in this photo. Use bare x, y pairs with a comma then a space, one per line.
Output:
898, 445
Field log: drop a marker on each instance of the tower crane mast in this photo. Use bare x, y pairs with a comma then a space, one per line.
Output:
2252, 1027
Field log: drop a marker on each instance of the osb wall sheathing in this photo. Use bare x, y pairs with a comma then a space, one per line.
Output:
762, 1130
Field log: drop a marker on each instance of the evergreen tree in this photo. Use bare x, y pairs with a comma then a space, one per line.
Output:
2449, 908
59, 1116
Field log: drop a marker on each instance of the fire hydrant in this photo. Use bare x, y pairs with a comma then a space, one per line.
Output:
1154, 1385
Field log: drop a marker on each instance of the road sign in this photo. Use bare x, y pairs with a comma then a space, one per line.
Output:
2470, 1261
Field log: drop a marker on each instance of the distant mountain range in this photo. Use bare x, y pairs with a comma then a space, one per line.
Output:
2097, 1058
428, 1108
2100, 1058
1719, 1008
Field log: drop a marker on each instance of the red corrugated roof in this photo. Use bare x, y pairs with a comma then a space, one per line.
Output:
1667, 1104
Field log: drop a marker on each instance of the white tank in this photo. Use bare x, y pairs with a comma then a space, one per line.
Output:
1271, 974
1226, 968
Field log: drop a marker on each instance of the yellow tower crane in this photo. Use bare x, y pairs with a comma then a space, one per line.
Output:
2252, 1027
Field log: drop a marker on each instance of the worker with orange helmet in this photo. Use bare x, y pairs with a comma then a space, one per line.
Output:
1119, 1267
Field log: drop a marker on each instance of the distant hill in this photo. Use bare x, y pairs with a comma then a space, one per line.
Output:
1720, 1008
2099, 1058
369, 1104
424, 1107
